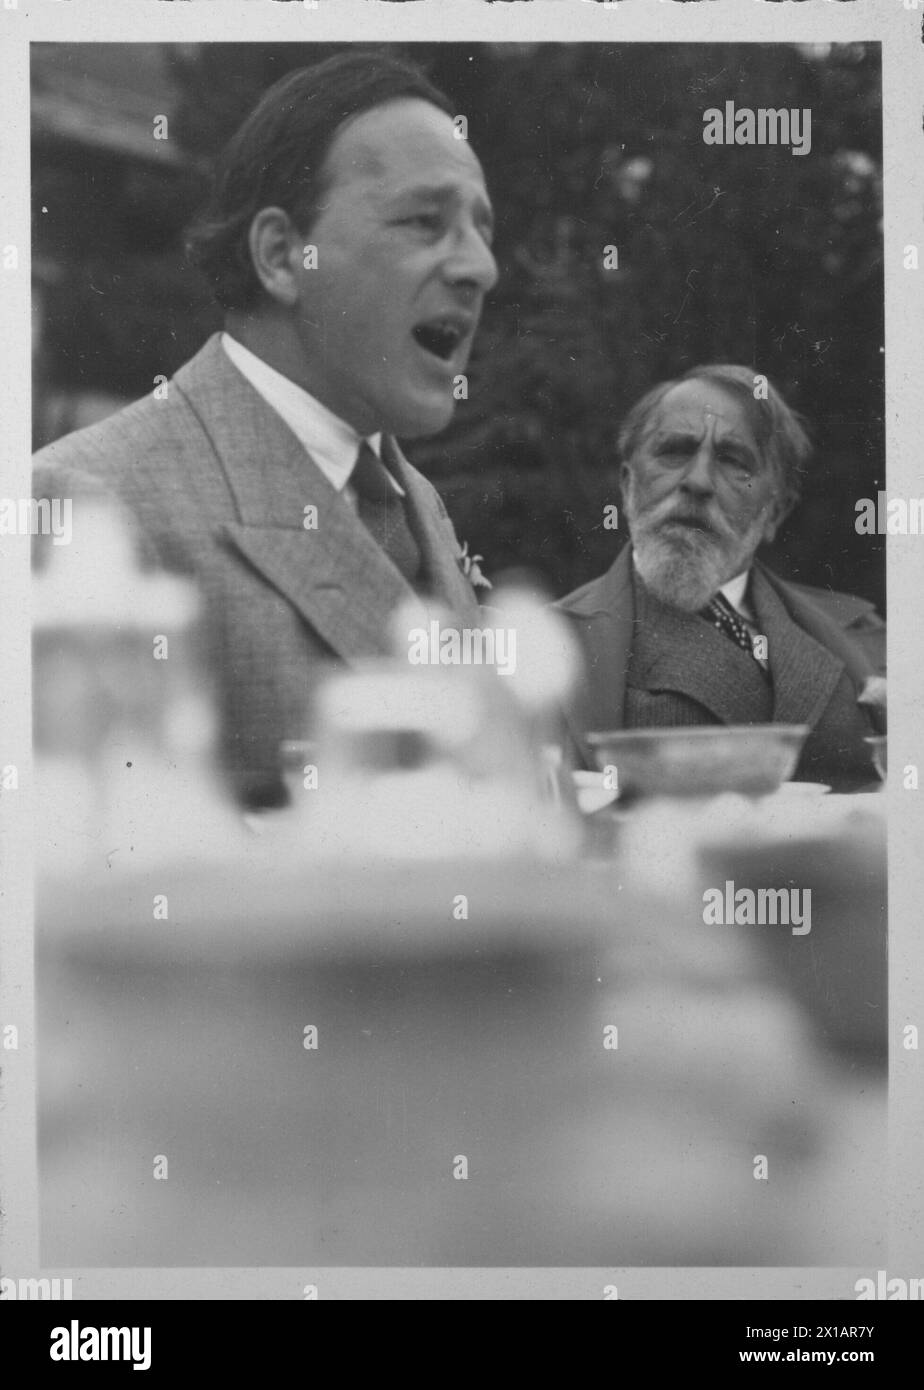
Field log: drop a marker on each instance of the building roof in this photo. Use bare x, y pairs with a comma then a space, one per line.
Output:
106, 97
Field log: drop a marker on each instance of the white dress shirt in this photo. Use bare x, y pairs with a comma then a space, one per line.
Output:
331, 442
735, 591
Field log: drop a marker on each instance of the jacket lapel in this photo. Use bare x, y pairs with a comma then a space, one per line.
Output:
336, 579
808, 652
681, 653
334, 574
827, 622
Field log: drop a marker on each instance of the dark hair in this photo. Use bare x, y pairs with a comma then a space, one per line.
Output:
276, 158
780, 431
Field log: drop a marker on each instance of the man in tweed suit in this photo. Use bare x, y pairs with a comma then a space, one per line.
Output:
348, 241
688, 627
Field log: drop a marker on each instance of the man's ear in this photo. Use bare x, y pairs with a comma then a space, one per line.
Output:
274, 250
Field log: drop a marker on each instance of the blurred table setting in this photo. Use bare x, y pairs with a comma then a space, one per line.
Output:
458, 1003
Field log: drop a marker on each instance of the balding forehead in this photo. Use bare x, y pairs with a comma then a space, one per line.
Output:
390, 142
691, 400
700, 406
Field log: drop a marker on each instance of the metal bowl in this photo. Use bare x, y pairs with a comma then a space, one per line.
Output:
751, 759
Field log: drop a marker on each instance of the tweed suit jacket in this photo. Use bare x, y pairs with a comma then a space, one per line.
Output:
219, 486
822, 646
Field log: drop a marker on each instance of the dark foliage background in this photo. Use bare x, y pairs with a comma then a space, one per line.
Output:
740, 254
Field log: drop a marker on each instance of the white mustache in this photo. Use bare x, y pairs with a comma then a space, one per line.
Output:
706, 523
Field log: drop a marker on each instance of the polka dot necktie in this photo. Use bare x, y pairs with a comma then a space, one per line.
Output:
723, 616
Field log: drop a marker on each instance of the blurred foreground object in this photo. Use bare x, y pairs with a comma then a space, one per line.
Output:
879, 746
431, 761
753, 759
479, 1054
422, 765
455, 1064
836, 851
874, 698
123, 720
830, 850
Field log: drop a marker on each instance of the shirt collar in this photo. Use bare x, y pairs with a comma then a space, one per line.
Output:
735, 591
331, 442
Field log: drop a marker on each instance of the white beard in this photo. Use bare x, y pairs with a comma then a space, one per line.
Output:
685, 568
683, 573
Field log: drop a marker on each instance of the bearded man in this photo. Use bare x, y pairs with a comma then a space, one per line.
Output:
688, 627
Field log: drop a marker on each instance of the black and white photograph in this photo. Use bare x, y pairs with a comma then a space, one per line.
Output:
461, 835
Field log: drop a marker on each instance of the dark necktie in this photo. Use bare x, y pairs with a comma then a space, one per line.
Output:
722, 615
381, 510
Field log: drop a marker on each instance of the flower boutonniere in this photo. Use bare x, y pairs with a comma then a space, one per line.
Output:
470, 567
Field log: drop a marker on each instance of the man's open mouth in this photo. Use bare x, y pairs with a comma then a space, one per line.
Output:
441, 337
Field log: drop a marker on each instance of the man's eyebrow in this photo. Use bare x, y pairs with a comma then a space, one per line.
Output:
663, 435
737, 442
441, 192
682, 435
